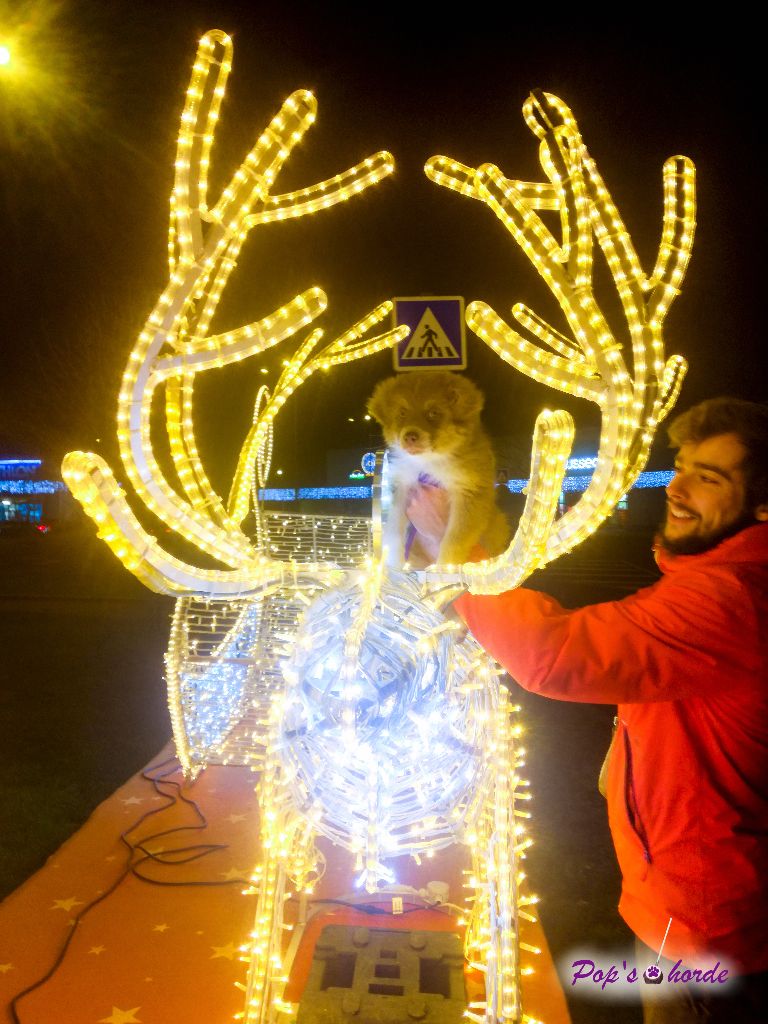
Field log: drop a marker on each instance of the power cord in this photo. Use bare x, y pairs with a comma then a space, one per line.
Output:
157, 775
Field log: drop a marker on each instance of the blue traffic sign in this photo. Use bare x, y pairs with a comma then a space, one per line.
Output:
437, 337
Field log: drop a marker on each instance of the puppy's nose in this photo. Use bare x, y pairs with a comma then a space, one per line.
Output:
411, 437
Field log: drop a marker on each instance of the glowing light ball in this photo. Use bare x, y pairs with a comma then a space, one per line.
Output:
385, 722
389, 675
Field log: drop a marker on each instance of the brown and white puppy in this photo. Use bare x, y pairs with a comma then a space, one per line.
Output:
431, 424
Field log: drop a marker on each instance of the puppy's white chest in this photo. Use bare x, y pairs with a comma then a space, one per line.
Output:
405, 469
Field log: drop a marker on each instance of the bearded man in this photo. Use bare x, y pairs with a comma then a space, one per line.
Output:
686, 661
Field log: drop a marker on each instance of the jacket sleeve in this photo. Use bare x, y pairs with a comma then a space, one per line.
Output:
676, 639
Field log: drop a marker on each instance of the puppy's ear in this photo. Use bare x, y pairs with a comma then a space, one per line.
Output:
466, 399
379, 403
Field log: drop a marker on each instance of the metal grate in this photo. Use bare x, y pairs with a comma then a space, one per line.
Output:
223, 660
345, 540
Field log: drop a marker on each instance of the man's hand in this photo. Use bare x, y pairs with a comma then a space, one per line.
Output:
428, 507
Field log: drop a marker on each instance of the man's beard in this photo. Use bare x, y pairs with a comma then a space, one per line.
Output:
698, 543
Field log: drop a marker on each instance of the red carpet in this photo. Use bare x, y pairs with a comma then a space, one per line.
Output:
167, 953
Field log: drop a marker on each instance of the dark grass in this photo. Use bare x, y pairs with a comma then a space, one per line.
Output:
83, 707
82, 699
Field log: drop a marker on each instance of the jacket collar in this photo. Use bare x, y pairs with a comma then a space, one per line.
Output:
748, 545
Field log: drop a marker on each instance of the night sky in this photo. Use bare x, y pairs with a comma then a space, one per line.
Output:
86, 169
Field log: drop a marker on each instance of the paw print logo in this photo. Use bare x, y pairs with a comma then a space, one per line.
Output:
653, 975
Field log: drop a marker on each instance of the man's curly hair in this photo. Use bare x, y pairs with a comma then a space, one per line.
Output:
748, 420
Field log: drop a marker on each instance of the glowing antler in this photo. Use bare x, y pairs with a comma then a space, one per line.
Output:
351, 345
204, 243
590, 364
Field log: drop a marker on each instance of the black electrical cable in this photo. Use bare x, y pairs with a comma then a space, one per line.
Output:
196, 852
382, 909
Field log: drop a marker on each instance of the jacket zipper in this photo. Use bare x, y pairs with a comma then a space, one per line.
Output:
630, 798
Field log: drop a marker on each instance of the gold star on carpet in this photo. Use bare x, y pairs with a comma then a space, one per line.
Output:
66, 904
4, 968
121, 1016
97, 950
234, 818
235, 874
227, 952
160, 928
133, 800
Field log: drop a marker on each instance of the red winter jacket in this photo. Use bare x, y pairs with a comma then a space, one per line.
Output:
686, 661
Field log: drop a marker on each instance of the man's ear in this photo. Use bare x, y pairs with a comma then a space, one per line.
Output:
761, 513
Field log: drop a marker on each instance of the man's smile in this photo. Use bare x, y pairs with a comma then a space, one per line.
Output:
678, 512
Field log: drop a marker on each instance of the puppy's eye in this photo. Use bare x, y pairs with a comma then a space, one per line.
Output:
433, 415
401, 413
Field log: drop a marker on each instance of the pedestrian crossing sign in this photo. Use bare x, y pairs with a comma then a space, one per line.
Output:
437, 337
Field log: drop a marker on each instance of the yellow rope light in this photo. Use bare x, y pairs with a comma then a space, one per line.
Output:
590, 364
175, 345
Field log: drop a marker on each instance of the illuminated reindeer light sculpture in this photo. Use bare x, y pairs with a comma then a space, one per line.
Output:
370, 721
